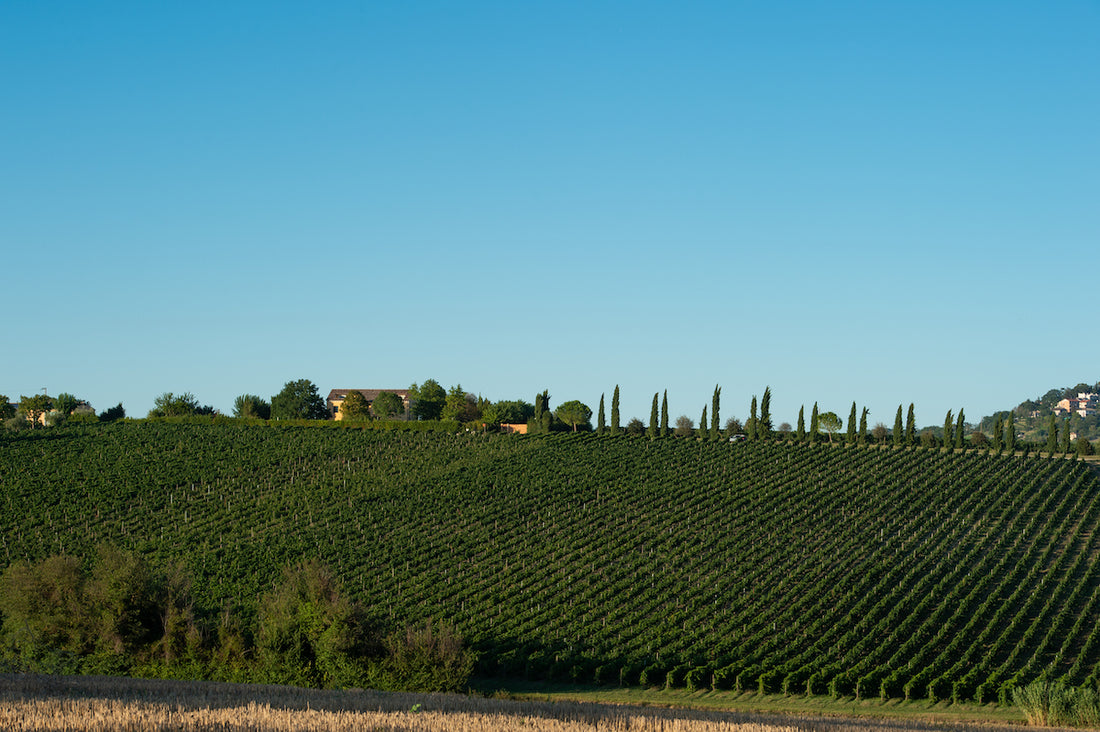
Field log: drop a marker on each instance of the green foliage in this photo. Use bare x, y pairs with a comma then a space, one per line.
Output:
949, 430
113, 414
1010, 431
355, 407
715, 400
800, 434
298, 400
7, 409
899, 436
514, 411
960, 436
542, 419
764, 426
575, 414
1048, 703
635, 427
1084, 447
310, 633
863, 426
830, 422
426, 400
34, 407
388, 405
1052, 435
704, 431
652, 429
65, 403
460, 406
427, 658
751, 425
601, 421
250, 406
507, 538
815, 423
615, 411
910, 426
851, 435
664, 414
684, 426
174, 405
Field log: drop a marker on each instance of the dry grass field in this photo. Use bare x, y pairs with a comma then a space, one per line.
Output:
98, 704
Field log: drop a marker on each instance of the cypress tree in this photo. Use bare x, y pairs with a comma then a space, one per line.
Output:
998, 433
960, 438
910, 426
801, 434
703, 431
899, 436
863, 426
813, 424
1010, 433
1067, 443
764, 426
601, 421
652, 429
715, 432
750, 428
949, 431
852, 425
615, 411
1052, 436
664, 414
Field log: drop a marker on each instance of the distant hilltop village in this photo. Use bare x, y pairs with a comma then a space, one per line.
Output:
1084, 405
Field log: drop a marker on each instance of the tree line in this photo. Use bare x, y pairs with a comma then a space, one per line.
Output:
124, 616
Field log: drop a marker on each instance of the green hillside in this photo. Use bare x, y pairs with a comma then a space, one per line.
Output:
787, 567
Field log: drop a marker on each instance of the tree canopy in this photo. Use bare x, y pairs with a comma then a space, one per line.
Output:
574, 413
298, 400
427, 400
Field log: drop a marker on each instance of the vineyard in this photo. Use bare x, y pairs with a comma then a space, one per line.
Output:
761, 565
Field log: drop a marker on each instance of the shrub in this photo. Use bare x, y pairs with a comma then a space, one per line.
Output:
429, 657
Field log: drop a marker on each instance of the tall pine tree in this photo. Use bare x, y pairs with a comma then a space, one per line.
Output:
998, 432
615, 411
852, 425
703, 431
910, 427
664, 414
1067, 442
814, 424
601, 421
949, 431
651, 430
863, 426
1052, 435
1010, 433
899, 436
800, 435
960, 437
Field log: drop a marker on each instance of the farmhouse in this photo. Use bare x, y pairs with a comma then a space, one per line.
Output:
336, 397
1085, 405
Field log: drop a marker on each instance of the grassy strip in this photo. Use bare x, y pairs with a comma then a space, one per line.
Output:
921, 710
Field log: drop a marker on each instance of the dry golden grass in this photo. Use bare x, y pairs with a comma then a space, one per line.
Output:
96, 704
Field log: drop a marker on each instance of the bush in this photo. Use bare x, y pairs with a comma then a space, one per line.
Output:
427, 658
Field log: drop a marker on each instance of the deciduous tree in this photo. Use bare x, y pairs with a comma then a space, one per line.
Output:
388, 405
355, 407
426, 400
250, 406
298, 400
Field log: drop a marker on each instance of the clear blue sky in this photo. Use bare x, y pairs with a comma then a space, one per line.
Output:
886, 202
